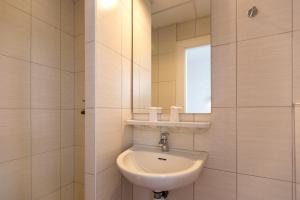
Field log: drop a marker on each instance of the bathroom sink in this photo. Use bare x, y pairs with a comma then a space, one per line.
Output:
160, 171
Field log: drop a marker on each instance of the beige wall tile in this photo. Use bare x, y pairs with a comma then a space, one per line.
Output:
181, 139
215, 185
109, 20
264, 71
126, 29
126, 83
167, 67
14, 83
108, 137
167, 39
108, 74
53, 196
24, 5
297, 191
264, 142
127, 189
67, 90
154, 42
45, 87
67, 52
67, 166
146, 136
15, 32
45, 44
142, 193
79, 17
15, 140
79, 165
67, 192
154, 68
274, 16
67, 128
45, 174
224, 76
222, 134
79, 53
89, 142
297, 142
45, 130
223, 21
109, 184
296, 66
48, 11
68, 16
203, 26
15, 176
186, 193
79, 128
250, 187
79, 90
296, 17
186, 30
90, 187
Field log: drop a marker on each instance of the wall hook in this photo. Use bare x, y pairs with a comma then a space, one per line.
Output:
252, 12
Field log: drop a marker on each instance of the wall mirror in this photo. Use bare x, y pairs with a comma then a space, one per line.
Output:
171, 55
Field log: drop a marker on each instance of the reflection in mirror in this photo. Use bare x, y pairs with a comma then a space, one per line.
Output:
172, 55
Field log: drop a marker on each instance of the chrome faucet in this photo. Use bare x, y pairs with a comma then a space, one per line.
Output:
163, 142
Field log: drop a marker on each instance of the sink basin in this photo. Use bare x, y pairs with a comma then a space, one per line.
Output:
160, 171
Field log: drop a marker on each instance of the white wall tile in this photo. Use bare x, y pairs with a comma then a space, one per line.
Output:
48, 11
79, 90
68, 16
167, 39
79, 17
79, 128
296, 17
15, 32
127, 131
167, 67
297, 191
264, 71
224, 76
250, 187
109, 20
126, 30
15, 176
79, 165
15, 140
215, 185
67, 122
297, 143
45, 87
67, 52
79, 53
67, 166
296, 66
45, 44
186, 30
108, 137
223, 21
186, 193
108, 74
78, 191
45, 174
264, 142
53, 196
14, 83
67, 90
219, 140
127, 189
45, 130
274, 16
109, 184
142, 193
24, 5
67, 192
126, 83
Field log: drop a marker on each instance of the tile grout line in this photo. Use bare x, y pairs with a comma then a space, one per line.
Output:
60, 97
30, 106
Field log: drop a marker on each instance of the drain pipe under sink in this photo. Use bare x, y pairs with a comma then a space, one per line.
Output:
160, 195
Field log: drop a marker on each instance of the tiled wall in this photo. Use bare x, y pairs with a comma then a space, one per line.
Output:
166, 86
37, 99
79, 101
108, 96
253, 149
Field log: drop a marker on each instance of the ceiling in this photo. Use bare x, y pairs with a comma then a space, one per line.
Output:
167, 12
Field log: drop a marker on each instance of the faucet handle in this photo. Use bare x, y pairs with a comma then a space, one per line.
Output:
164, 135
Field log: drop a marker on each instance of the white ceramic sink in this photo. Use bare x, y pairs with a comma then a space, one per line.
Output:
160, 171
